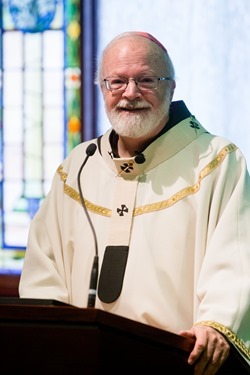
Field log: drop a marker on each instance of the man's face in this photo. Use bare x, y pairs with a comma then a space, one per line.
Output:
133, 112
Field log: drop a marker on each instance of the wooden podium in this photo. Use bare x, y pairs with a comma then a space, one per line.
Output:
49, 337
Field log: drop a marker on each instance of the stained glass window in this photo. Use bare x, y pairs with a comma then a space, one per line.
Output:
40, 109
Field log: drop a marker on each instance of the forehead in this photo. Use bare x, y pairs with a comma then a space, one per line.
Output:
131, 56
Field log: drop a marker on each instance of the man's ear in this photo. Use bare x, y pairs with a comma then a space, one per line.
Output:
172, 88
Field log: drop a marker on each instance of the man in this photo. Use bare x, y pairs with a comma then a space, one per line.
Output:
166, 210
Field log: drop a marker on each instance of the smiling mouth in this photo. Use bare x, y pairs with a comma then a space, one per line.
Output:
132, 109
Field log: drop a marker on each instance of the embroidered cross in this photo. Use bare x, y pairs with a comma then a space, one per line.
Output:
126, 167
194, 124
122, 210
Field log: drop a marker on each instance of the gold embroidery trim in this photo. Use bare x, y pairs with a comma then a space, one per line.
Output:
72, 193
158, 205
62, 174
228, 334
190, 189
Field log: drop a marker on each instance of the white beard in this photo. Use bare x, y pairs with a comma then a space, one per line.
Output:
136, 125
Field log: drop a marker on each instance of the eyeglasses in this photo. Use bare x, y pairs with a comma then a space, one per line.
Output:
117, 83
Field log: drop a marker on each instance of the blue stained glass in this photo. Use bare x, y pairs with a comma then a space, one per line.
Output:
32, 15
36, 115
29, 159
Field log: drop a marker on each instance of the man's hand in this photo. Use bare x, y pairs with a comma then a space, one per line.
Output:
210, 351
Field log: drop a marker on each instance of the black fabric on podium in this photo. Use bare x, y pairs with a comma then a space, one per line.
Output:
112, 273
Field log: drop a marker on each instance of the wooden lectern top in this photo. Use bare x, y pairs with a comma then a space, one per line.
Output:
47, 336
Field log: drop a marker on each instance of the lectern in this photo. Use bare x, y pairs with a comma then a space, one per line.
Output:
49, 337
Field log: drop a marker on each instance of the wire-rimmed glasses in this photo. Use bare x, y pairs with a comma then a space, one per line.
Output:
118, 83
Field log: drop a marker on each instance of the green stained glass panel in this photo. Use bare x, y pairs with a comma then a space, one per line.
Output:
40, 113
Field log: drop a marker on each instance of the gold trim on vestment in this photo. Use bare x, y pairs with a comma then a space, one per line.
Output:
62, 174
157, 206
228, 334
190, 189
72, 193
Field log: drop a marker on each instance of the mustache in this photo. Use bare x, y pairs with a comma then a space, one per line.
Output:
133, 104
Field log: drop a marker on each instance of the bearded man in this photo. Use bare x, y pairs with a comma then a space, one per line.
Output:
166, 211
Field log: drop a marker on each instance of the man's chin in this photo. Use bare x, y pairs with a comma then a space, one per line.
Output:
128, 135
130, 126
134, 117
132, 133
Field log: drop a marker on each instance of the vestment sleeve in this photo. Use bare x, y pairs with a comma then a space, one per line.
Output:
43, 274
224, 281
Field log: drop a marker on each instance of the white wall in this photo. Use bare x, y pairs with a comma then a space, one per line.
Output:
209, 43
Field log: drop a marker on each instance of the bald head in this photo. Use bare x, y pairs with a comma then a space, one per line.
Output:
141, 34
141, 43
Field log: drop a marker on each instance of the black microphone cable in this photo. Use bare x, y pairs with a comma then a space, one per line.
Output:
95, 268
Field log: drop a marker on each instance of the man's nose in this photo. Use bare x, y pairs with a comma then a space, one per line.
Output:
132, 90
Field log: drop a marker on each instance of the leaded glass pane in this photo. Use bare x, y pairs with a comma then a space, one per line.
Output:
40, 100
